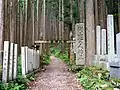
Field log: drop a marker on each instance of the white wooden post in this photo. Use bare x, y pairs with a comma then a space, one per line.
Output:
38, 59
31, 59
103, 51
5, 61
98, 40
26, 59
23, 61
110, 34
118, 44
15, 60
80, 43
34, 58
11, 61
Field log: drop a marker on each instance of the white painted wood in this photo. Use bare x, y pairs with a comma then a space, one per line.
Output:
38, 59
31, 59
23, 61
15, 60
11, 61
118, 44
110, 34
34, 59
26, 59
80, 43
103, 50
98, 40
5, 61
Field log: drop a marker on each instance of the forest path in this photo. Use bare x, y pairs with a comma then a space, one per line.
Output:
56, 77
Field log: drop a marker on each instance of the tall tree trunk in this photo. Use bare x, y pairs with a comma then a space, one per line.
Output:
101, 11
63, 45
30, 23
90, 32
44, 12
36, 21
25, 21
12, 20
81, 10
6, 20
119, 14
1, 28
62, 19
1, 24
59, 19
96, 12
39, 19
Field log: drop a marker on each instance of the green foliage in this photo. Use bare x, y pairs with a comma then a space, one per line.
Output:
93, 78
46, 60
20, 83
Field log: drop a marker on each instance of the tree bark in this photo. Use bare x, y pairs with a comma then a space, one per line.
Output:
25, 21
96, 12
1, 24
81, 10
30, 23
59, 19
1, 28
119, 14
90, 32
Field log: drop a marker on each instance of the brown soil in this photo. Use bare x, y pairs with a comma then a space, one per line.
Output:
56, 77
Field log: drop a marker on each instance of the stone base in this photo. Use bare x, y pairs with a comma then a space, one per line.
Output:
101, 61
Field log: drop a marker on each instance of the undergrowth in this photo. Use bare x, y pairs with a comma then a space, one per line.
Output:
93, 78
46, 60
20, 83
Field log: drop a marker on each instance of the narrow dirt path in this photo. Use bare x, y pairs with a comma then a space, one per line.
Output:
56, 77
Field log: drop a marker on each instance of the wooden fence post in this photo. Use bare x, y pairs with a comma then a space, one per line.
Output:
23, 61
15, 60
5, 61
11, 61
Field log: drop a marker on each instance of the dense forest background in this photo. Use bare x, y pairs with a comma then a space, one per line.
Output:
26, 21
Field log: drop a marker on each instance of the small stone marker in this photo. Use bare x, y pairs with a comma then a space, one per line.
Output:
11, 61
80, 43
23, 61
103, 51
5, 61
111, 46
15, 61
98, 40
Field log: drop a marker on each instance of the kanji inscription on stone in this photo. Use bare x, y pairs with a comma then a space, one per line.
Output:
80, 43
